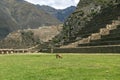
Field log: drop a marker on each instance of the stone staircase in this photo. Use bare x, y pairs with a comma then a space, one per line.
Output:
110, 32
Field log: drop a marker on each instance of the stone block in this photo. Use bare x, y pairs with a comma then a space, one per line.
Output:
84, 40
104, 31
119, 18
95, 36
115, 22
111, 27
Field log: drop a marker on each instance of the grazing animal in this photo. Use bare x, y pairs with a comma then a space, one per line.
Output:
59, 56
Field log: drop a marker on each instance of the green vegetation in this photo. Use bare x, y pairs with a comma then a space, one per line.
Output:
71, 67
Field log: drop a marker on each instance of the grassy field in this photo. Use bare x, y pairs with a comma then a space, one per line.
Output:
71, 67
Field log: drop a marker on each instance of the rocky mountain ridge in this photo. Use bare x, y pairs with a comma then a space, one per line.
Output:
60, 14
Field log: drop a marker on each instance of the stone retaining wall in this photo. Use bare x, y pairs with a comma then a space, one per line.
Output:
97, 49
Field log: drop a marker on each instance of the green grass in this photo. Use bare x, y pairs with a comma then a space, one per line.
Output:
71, 67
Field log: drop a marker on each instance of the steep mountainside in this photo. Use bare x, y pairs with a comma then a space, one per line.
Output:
88, 18
7, 23
19, 14
60, 14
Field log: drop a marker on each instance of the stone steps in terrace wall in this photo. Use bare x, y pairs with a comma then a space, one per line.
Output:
96, 36
106, 39
100, 43
103, 31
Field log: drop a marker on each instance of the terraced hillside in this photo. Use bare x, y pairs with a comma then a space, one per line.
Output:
88, 18
93, 27
30, 38
109, 35
106, 40
46, 33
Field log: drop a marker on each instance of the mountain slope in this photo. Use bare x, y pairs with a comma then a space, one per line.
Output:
60, 14
7, 24
19, 14
89, 17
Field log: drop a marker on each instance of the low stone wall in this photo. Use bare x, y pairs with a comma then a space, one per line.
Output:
97, 49
10, 51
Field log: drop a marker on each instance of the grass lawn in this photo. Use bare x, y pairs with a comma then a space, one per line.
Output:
71, 67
